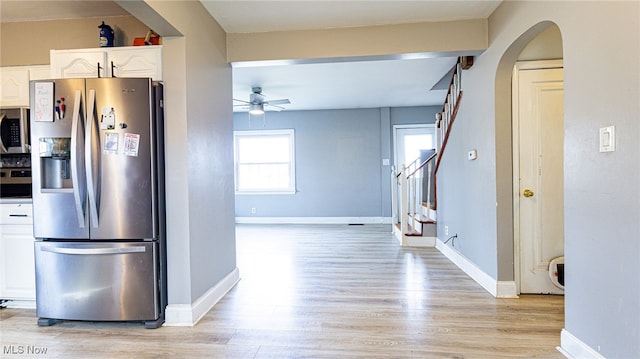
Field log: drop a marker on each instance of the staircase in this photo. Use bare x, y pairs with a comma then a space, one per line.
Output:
413, 192
413, 197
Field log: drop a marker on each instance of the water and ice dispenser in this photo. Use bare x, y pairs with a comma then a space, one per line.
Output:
55, 163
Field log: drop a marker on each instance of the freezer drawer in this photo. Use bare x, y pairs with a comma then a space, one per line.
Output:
97, 281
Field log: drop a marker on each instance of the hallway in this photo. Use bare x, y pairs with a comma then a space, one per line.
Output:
325, 291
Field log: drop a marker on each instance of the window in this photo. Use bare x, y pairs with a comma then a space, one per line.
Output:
413, 144
264, 161
409, 140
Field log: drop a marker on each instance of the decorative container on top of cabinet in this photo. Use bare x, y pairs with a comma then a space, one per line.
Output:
17, 268
128, 61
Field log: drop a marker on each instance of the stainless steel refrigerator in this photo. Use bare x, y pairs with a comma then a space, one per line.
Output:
98, 200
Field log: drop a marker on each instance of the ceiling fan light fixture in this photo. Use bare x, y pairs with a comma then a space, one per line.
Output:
256, 109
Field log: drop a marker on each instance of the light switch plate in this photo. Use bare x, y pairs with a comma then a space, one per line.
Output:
607, 139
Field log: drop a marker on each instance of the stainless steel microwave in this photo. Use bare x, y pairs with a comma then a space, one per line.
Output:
14, 130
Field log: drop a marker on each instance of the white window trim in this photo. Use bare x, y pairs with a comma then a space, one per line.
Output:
292, 173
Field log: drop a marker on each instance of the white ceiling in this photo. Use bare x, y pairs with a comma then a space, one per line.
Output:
241, 16
30, 10
361, 84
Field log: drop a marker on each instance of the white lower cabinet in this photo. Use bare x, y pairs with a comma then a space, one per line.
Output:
17, 267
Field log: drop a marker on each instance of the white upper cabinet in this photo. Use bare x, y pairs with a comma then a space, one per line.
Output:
14, 83
14, 86
78, 63
143, 61
129, 61
41, 72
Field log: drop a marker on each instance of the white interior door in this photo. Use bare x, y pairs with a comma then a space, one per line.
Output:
539, 206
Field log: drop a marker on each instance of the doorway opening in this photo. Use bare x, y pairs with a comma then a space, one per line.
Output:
542, 141
538, 96
409, 140
408, 143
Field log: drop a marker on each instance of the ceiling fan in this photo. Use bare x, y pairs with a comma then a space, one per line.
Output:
256, 104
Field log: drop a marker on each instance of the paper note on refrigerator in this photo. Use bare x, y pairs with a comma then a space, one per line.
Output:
131, 144
43, 101
111, 143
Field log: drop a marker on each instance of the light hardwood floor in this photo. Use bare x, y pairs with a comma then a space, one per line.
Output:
323, 291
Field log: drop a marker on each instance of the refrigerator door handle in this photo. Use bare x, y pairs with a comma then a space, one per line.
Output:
79, 198
93, 251
88, 158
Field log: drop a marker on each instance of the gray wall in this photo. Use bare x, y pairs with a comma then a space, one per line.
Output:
602, 205
339, 171
22, 42
199, 147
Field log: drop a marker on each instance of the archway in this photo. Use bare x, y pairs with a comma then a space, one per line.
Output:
540, 42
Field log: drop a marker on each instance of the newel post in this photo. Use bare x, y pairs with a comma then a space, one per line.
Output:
404, 202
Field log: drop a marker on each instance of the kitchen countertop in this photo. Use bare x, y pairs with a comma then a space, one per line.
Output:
15, 200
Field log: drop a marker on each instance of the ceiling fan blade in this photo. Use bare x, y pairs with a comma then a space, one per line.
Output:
243, 101
273, 107
284, 101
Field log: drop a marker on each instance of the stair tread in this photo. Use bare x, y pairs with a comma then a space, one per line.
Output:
412, 232
422, 219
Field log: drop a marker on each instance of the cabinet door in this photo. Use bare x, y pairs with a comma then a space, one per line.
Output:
16, 214
67, 64
17, 268
14, 86
136, 61
17, 274
40, 72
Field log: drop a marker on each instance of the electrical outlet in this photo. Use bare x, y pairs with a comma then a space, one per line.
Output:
253, 210
446, 230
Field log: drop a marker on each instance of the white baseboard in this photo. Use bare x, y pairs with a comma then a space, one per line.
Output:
499, 289
572, 347
21, 304
314, 220
397, 233
185, 315
506, 289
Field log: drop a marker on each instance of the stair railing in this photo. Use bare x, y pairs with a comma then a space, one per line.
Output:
414, 187
400, 197
445, 119
420, 192
414, 179
410, 193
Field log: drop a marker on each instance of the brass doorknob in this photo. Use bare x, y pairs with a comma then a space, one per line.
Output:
527, 193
